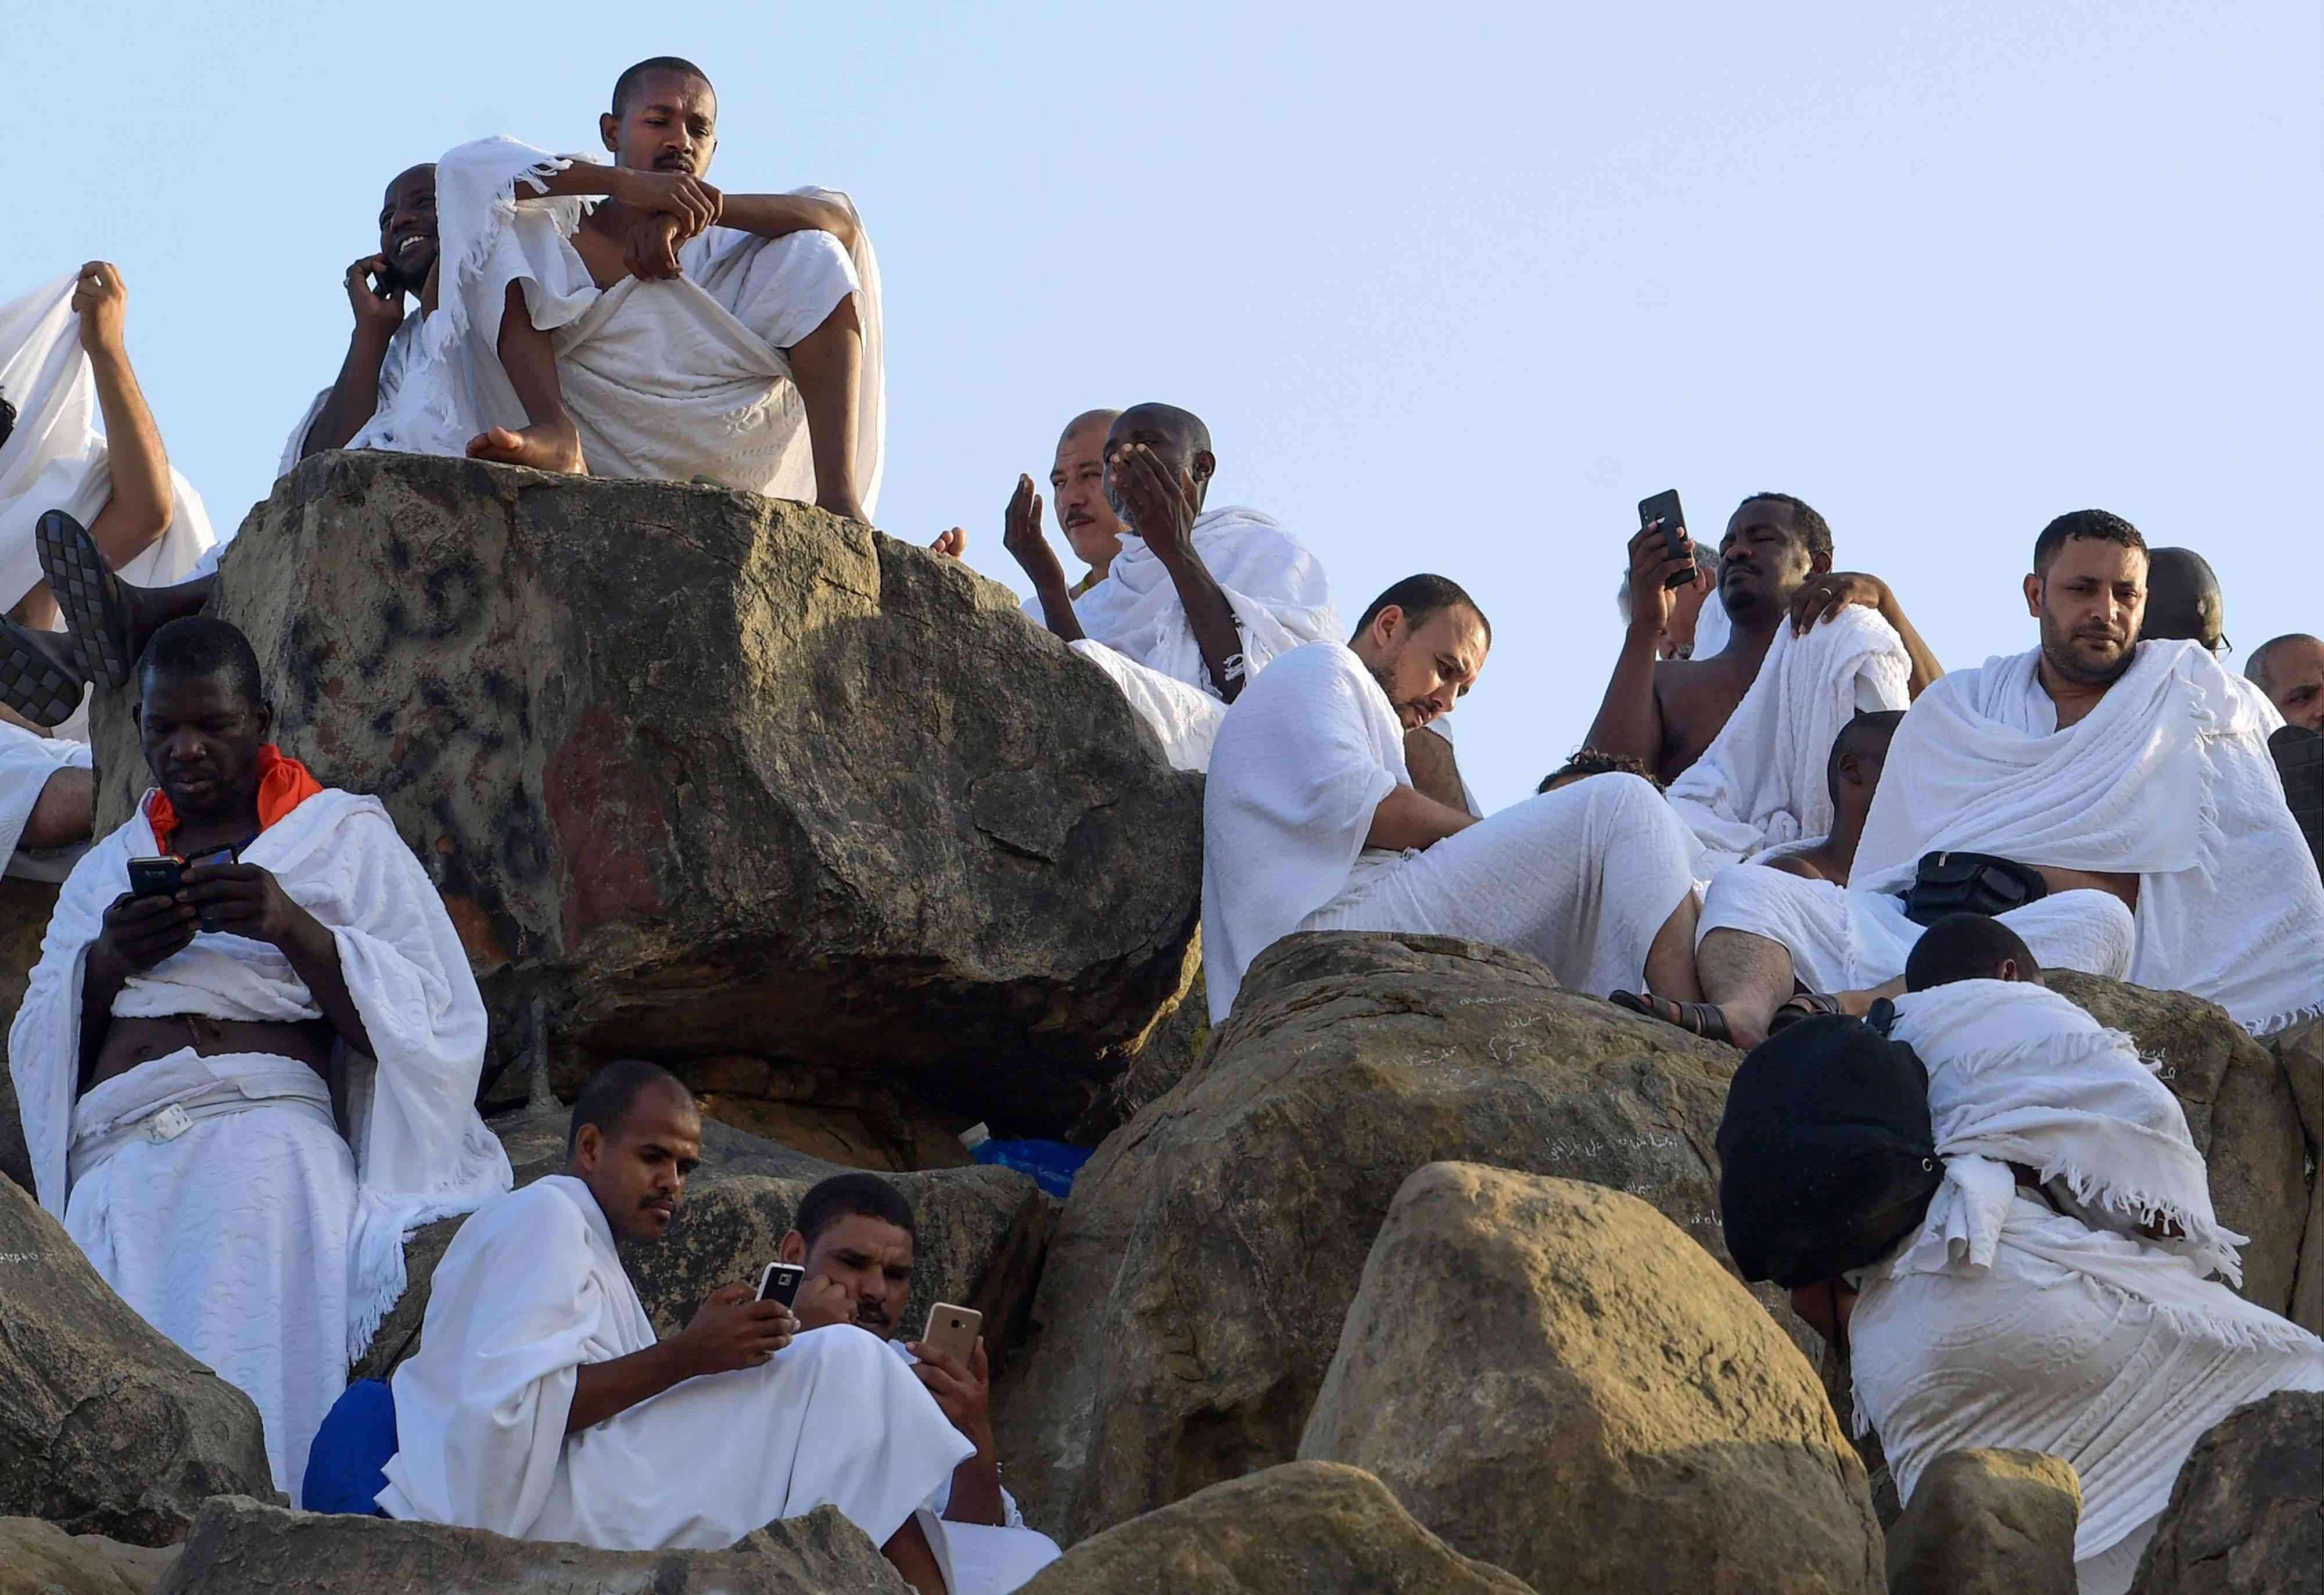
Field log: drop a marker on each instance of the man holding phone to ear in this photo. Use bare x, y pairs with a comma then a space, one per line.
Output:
379, 350
854, 1235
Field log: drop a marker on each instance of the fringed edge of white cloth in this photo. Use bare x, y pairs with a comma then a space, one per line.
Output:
377, 1274
526, 165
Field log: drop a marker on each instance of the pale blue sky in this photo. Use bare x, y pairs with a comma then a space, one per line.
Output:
1454, 286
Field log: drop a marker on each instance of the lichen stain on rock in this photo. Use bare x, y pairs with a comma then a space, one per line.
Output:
609, 824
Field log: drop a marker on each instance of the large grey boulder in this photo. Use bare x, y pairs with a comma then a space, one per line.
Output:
105, 1427
1988, 1522
1304, 1528
1554, 1380
39, 1558
1197, 1285
2247, 1515
979, 1244
240, 1545
2240, 1109
713, 773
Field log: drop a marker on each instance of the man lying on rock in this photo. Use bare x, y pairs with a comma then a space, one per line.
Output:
665, 329
541, 1406
2057, 1298
1739, 736
182, 1042
855, 1235
1196, 601
2114, 801
1311, 823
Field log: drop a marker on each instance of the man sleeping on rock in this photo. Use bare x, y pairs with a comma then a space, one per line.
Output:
668, 330
2057, 1296
250, 947
2114, 801
541, 1406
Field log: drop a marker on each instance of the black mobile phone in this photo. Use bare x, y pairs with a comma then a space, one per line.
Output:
388, 284
1665, 507
780, 1283
157, 877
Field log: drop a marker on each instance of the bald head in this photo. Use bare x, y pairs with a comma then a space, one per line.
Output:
2182, 599
2291, 670
1178, 439
1077, 489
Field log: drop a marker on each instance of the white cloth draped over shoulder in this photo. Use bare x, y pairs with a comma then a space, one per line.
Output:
1581, 878
2168, 777
987, 1559
55, 458
670, 380
1761, 783
2006, 1323
1137, 632
393, 365
419, 1151
532, 1288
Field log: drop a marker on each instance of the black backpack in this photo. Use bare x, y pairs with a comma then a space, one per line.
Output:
1827, 1158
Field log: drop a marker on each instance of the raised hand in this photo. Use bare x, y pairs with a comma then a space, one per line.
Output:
139, 931
963, 1389
1652, 603
1822, 597
101, 300
695, 203
650, 251
373, 314
1022, 535
1161, 509
734, 1330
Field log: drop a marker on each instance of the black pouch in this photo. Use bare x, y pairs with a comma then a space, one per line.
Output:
1969, 883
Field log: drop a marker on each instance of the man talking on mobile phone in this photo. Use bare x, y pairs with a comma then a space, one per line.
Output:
854, 1235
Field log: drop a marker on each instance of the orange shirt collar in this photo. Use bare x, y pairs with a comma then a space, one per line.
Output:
283, 784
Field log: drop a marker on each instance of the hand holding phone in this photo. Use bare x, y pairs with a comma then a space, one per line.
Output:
779, 1282
1663, 510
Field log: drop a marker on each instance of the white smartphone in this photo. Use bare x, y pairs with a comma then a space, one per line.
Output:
952, 1330
780, 1283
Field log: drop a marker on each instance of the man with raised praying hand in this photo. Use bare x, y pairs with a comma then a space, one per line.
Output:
670, 331
1196, 601
1310, 824
1740, 735
539, 1405
178, 1053
2120, 793
854, 1235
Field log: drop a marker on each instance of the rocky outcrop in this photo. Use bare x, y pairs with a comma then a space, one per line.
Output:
105, 1427
1988, 1522
1196, 1289
1554, 1380
2240, 1111
712, 773
981, 1230
39, 1558
239, 1545
2299, 1050
2247, 1517
1304, 1528
25, 909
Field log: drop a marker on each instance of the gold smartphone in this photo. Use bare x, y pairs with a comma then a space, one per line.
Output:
952, 1330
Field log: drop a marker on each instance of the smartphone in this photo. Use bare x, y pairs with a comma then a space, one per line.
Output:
780, 1283
952, 1330
388, 284
1665, 507
158, 877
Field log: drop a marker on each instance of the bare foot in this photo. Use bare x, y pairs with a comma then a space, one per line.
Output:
954, 542
545, 445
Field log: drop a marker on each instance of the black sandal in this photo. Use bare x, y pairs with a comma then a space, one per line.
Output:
32, 682
96, 612
1805, 1005
1706, 1020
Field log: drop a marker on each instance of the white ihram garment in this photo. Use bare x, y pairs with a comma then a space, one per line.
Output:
27, 762
987, 1559
393, 365
2006, 1323
530, 1289
1762, 782
2169, 778
1581, 878
669, 380
255, 1239
1137, 632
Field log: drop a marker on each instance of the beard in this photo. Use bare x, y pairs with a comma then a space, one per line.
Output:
2064, 653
